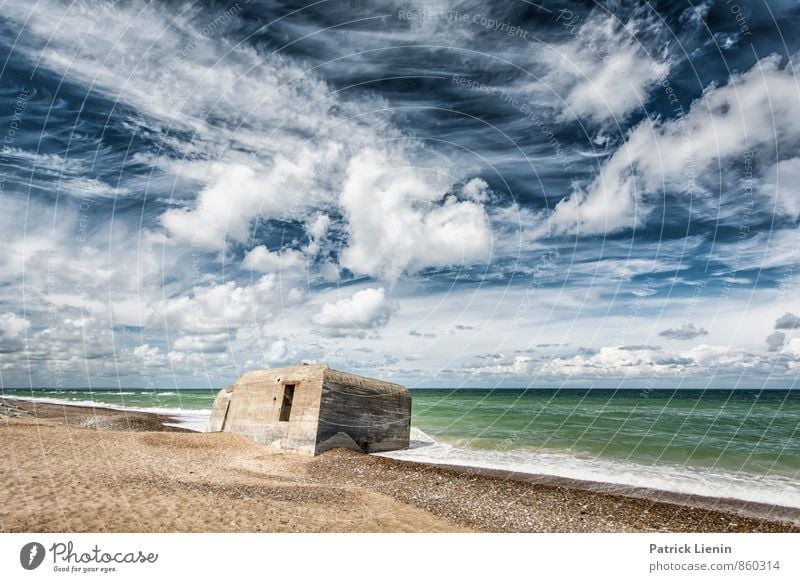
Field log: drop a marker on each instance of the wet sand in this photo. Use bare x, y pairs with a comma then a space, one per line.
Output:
77, 469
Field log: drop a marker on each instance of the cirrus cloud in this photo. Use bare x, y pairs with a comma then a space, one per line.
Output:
754, 109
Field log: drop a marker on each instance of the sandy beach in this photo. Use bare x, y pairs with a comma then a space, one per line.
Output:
76, 469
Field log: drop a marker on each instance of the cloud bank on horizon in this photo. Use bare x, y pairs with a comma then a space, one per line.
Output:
445, 194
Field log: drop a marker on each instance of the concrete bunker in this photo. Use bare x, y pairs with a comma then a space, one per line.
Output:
310, 409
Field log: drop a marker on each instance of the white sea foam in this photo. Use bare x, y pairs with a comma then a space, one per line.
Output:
710, 482
195, 420
109, 393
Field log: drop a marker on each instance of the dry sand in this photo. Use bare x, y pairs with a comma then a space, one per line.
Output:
76, 469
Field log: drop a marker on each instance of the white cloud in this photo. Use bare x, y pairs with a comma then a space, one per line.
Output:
209, 343
239, 193
607, 361
278, 352
783, 185
263, 260
701, 361
12, 332
760, 250
793, 347
329, 271
218, 308
755, 109
364, 310
12, 325
706, 356
319, 226
400, 219
150, 356
606, 71
476, 190
91, 188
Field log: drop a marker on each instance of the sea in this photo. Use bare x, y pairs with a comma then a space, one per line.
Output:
737, 444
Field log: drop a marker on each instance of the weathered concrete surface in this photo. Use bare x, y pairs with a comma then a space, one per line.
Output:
376, 415
330, 409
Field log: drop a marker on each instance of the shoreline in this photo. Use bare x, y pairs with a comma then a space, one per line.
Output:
733, 506
183, 419
314, 493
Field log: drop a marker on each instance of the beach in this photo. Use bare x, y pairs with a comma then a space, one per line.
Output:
86, 469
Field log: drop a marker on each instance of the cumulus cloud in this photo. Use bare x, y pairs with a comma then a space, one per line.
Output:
775, 341
753, 109
240, 193
278, 352
365, 310
476, 190
708, 357
787, 321
607, 360
150, 356
263, 260
615, 361
317, 229
685, 332
400, 219
12, 330
218, 308
12, 325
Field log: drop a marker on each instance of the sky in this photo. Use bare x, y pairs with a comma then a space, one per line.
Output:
442, 194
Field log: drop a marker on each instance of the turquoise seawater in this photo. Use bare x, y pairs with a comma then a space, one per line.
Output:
734, 443
739, 430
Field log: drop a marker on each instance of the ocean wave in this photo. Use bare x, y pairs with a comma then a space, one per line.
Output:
192, 419
419, 438
704, 481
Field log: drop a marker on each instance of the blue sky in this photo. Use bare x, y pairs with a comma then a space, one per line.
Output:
440, 193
